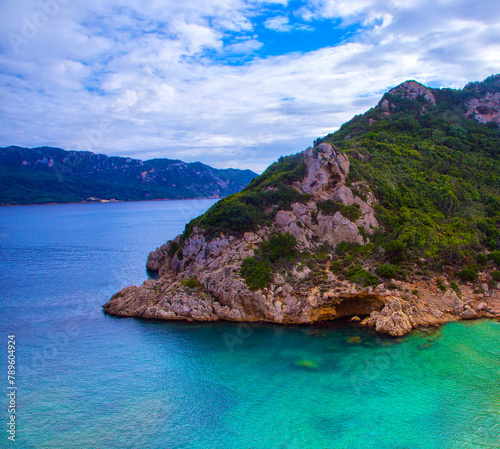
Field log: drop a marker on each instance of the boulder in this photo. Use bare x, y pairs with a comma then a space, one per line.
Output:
157, 258
392, 320
468, 314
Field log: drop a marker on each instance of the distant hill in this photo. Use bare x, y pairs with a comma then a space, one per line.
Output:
52, 175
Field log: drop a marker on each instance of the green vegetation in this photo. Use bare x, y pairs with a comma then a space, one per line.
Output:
360, 276
192, 283
256, 272
482, 259
349, 259
436, 175
456, 288
495, 257
469, 275
279, 250
388, 271
255, 205
77, 176
329, 207
440, 284
279, 246
173, 247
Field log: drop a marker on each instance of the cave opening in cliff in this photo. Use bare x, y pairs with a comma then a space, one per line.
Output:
361, 305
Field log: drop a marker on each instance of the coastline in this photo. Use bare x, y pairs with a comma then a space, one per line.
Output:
113, 201
394, 312
238, 277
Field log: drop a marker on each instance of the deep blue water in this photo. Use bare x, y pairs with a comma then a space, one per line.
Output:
86, 380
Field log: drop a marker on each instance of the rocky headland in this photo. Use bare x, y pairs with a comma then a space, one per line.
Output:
327, 261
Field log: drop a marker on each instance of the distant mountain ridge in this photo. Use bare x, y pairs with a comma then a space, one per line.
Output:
53, 175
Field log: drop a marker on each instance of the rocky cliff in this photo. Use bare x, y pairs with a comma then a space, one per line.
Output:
312, 240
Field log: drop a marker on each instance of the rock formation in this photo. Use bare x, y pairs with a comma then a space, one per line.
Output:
485, 109
204, 284
200, 276
411, 90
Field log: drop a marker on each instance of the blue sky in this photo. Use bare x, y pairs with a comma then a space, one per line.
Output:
232, 83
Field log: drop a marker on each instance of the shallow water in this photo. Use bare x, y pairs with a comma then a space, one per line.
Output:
87, 380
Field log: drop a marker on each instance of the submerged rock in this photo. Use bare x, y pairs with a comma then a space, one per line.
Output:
309, 364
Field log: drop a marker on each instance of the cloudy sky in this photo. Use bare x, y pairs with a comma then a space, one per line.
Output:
232, 83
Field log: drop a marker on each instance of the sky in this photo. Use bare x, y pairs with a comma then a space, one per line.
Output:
230, 83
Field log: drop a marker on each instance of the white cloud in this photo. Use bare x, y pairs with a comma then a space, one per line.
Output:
278, 23
244, 47
133, 78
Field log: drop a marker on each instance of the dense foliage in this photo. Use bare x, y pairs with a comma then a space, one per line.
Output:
436, 175
350, 211
278, 251
257, 204
435, 172
26, 187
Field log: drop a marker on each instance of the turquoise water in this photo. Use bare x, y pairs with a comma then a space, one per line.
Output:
87, 380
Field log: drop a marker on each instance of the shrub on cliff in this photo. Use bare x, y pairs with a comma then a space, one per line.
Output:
279, 246
360, 276
495, 257
482, 259
256, 272
435, 173
279, 249
350, 211
192, 283
469, 275
388, 271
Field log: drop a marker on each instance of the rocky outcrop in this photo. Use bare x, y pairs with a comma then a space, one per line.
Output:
391, 319
199, 276
485, 109
201, 281
411, 90
157, 258
484, 106
326, 172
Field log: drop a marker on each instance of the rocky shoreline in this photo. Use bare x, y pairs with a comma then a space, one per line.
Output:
390, 312
199, 278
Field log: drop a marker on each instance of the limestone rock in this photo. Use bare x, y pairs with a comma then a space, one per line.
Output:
413, 90
325, 169
157, 258
200, 279
485, 109
482, 306
468, 314
392, 320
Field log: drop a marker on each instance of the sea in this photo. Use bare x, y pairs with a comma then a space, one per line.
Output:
87, 380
